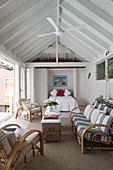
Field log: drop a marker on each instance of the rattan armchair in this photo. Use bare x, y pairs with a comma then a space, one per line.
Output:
28, 111
16, 146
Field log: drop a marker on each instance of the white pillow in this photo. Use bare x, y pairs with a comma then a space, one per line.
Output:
53, 92
86, 111
67, 93
26, 103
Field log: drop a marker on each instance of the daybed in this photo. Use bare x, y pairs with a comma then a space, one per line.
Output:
64, 99
94, 127
16, 145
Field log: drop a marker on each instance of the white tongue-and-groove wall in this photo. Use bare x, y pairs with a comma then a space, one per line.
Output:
95, 88
43, 83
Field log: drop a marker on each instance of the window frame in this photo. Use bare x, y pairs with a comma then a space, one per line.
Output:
101, 61
108, 66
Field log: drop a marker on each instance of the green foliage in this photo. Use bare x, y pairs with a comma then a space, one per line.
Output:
111, 70
49, 103
7, 109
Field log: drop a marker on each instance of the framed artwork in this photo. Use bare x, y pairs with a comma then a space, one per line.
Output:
60, 80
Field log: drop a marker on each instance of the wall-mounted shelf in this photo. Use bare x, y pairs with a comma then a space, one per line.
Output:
106, 103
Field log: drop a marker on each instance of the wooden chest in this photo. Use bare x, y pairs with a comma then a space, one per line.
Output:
51, 131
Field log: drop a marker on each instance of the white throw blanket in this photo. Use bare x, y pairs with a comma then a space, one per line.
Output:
65, 103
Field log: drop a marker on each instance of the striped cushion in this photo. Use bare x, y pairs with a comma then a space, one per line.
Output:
95, 104
106, 120
91, 132
94, 114
5, 143
11, 137
87, 109
90, 113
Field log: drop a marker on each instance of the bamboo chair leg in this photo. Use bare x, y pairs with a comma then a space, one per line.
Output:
42, 146
82, 145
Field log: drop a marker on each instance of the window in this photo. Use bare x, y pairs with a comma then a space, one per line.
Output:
110, 67
100, 71
9, 89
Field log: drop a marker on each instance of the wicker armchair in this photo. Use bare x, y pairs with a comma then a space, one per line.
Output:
29, 111
15, 146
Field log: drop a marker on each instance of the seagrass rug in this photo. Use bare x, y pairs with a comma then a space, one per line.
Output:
66, 155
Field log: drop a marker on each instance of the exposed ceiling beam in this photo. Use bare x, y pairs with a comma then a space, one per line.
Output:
75, 48
8, 54
60, 64
27, 45
38, 51
75, 55
83, 39
87, 32
41, 13
79, 47
81, 44
34, 51
18, 13
87, 20
4, 2
98, 11
53, 50
16, 42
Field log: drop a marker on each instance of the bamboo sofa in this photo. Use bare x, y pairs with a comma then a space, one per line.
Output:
15, 147
27, 110
93, 127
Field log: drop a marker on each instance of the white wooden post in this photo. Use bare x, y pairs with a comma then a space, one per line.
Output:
17, 82
74, 82
32, 84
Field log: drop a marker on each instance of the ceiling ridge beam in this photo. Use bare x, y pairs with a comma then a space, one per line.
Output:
86, 32
84, 39
43, 12
18, 13
14, 43
98, 11
87, 20
31, 44
46, 44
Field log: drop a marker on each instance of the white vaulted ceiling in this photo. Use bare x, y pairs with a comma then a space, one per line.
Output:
21, 21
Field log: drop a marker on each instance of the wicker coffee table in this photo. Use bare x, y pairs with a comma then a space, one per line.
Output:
51, 129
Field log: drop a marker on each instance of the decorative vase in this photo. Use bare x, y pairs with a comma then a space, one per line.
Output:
49, 108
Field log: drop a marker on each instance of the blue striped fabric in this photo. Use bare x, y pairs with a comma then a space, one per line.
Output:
90, 113
100, 106
91, 132
4, 142
106, 120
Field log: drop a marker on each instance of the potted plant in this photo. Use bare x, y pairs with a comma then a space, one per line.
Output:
49, 103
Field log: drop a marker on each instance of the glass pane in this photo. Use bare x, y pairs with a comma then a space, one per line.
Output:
110, 67
101, 71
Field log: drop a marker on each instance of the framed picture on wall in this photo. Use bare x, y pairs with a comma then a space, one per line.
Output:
60, 80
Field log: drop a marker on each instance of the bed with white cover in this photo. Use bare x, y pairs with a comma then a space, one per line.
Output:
65, 102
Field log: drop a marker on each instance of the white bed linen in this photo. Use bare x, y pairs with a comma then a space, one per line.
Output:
65, 103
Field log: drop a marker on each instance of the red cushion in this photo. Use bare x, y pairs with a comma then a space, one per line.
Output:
60, 92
